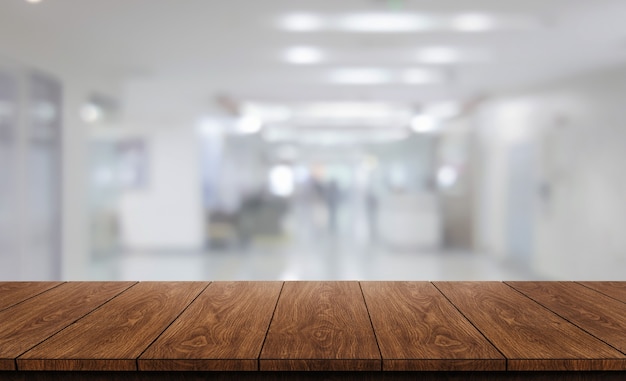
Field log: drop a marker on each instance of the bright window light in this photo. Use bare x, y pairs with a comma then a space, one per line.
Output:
421, 76
249, 125
439, 55
281, 181
424, 123
384, 22
303, 55
301, 22
473, 22
360, 76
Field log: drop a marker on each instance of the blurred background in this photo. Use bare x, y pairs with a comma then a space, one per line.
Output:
302, 139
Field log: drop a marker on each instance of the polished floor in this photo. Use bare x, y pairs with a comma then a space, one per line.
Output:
309, 248
291, 263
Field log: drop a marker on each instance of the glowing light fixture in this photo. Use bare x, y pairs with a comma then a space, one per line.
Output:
424, 123
384, 22
248, 125
303, 55
403, 22
33, 1
281, 180
301, 22
473, 22
360, 76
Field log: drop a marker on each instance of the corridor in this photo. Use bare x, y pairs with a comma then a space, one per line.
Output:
318, 139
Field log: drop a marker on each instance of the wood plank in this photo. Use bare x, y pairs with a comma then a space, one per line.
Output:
223, 329
312, 376
530, 336
113, 337
598, 314
418, 329
31, 322
12, 293
320, 326
616, 290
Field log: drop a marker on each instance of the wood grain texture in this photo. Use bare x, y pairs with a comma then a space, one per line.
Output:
616, 290
12, 293
598, 314
418, 329
31, 322
112, 337
530, 336
320, 326
223, 329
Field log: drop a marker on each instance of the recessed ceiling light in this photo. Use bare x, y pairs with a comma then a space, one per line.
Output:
360, 76
303, 55
473, 22
384, 22
33, 1
301, 22
424, 123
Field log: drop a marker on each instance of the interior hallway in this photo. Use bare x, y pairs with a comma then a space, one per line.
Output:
118, 161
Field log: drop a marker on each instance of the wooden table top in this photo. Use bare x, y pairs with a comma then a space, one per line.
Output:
312, 326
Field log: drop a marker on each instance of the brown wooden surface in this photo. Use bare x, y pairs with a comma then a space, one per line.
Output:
418, 329
12, 293
331, 328
312, 376
223, 329
616, 290
529, 335
113, 336
596, 313
320, 326
29, 323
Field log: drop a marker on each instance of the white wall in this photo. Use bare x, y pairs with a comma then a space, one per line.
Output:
75, 243
500, 125
167, 213
73, 179
578, 130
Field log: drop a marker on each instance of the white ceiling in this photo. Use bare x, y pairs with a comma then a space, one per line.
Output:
174, 56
